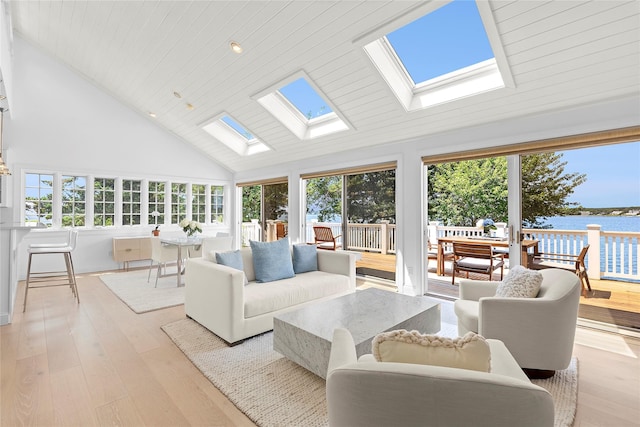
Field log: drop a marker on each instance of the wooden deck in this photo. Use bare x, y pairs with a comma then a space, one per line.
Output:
610, 301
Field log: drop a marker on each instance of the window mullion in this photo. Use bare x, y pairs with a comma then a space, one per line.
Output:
118, 202
57, 200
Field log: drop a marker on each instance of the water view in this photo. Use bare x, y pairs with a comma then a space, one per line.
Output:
608, 223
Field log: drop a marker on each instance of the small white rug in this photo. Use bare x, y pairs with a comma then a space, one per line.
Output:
132, 288
273, 391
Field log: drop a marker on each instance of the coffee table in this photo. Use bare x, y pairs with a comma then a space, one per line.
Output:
304, 335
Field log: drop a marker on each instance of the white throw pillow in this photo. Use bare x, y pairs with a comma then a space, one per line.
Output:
210, 256
520, 283
468, 352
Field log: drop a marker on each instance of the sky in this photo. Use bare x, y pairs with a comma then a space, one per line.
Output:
613, 175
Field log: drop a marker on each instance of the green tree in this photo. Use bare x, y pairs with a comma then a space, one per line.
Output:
324, 197
460, 193
251, 199
546, 188
276, 201
464, 192
371, 197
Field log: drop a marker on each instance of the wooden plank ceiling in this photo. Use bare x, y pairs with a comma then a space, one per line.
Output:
561, 54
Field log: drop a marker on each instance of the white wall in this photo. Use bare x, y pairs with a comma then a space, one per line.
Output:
62, 122
616, 113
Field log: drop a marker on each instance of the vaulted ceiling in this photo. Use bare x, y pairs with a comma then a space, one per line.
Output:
560, 53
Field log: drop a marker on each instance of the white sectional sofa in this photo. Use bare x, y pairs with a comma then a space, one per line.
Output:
217, 297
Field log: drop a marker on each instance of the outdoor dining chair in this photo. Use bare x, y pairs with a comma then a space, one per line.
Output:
475, 258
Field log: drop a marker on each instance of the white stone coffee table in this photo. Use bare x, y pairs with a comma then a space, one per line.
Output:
304, 335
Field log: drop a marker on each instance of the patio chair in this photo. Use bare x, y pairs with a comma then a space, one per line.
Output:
325, 239
432, 253
281, 230
575, 263
475, 258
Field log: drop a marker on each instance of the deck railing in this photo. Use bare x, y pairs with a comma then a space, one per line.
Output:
619, 250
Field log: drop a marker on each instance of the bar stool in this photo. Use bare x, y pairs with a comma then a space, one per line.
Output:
67, 277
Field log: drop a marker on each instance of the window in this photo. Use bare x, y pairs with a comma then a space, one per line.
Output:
73, 200
306, 100
217, 203
234, 135
131, 196
302, 107
198, 203
178, 202
38, 197
156, 202
103, 202
443, 56
55, 199
431, 47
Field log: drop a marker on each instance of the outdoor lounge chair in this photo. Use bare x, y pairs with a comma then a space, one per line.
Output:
575, 263
325, 239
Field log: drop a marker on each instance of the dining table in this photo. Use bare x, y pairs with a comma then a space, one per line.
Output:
496, 242
182, 243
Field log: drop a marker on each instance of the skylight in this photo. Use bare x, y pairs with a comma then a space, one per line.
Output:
300, 105
445, 40
305, 99
234, 135
450, 53
238, 128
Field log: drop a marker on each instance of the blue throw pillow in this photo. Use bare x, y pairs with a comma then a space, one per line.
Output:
231, 259
305, 258
272, 260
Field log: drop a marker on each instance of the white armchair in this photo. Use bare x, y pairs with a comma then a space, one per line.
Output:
368, 393
539, 332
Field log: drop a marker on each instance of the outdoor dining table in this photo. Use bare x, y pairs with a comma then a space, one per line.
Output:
500, 242
180, 243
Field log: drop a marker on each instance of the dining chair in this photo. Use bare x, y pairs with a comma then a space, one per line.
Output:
476, 258
161, 254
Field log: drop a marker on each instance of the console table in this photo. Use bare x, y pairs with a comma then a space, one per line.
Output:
127, 249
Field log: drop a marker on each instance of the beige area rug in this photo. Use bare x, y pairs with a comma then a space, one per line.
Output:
274, 391
132, 288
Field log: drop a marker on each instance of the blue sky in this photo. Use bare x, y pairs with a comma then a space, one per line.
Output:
445, 40
613, 175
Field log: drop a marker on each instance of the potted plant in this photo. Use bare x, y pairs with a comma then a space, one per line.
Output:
156, 231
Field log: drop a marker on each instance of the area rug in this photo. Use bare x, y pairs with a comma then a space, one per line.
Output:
273, 391
132, 288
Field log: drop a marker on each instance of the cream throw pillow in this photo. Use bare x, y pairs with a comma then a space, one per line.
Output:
520, 283
468, 352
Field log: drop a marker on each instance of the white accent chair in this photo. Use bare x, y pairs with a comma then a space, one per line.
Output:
368, 393
161, 254
539, 332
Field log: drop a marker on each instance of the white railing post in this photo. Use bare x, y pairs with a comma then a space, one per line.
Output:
593, 238
383, 237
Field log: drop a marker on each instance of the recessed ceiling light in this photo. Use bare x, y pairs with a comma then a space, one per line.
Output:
235, 46
152, 114
177, 94
190, 106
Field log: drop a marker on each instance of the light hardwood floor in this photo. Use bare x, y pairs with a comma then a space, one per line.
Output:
98, 363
